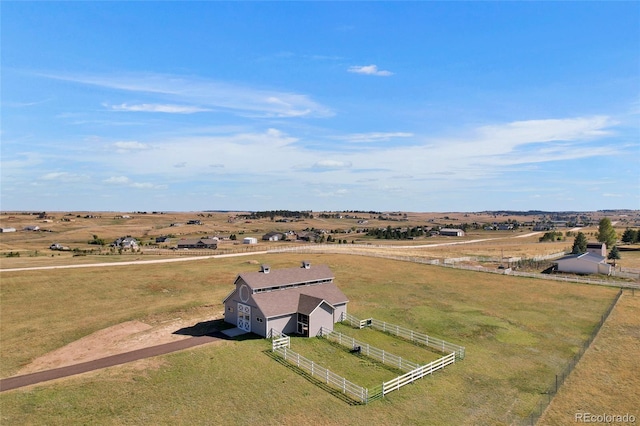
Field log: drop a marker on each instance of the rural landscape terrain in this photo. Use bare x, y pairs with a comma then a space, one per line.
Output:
540, 345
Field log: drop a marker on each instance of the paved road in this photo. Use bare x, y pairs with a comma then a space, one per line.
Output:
57, 373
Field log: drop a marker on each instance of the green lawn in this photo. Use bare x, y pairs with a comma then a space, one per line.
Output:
518, 334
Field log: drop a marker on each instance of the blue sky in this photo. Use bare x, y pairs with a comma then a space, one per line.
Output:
413, 106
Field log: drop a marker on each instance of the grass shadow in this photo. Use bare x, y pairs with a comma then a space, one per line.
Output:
322, 385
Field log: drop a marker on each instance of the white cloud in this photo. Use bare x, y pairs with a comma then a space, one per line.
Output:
165, 108
332, 165
567, 129
147, 185
369, 70
125, 181
63, 177
374, 136
118, 180
127, 146
209, 94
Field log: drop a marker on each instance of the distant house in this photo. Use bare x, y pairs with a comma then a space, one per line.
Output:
505, 227
597, 248
7, 230
273, 236
162, 240
126, 243
198, 243
542, 227
452, 232
583, 263
194, 222
291, 301
249, 240
58, 246
309, 236
31, 228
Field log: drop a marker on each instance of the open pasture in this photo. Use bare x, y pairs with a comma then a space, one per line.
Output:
517, 332
76, 229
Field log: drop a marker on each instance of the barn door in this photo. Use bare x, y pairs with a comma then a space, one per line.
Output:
244, 317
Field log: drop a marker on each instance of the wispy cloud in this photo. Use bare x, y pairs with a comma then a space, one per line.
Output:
332, 165
165, 108
64, 177
118, 180
125, 181
207, 94
369, 70
124, 147
374, 137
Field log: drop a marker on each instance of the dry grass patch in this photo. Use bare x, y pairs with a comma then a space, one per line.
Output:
518, 334
607, 379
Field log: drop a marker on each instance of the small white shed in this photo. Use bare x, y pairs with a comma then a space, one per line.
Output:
250, 240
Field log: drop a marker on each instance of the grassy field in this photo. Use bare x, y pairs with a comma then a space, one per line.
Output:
612, 363
518, 334
76, 229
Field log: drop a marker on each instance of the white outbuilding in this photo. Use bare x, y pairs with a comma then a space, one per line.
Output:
584, 263
250, 240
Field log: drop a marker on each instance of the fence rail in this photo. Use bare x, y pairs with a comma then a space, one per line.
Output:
413, 336
418, 373
414, 371
381, 355
354, 391
279, 340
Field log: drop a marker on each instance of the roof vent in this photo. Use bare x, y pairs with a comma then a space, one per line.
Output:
265, 269
306, 264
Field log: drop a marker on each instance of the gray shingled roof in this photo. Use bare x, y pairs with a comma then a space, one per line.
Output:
284, 302
280, 277
307, 304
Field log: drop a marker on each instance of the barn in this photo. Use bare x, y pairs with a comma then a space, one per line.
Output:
291, 301
452, 232
584, 263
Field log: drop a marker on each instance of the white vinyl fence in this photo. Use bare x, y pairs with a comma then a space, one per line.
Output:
280, 344
414, 371
413, 336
